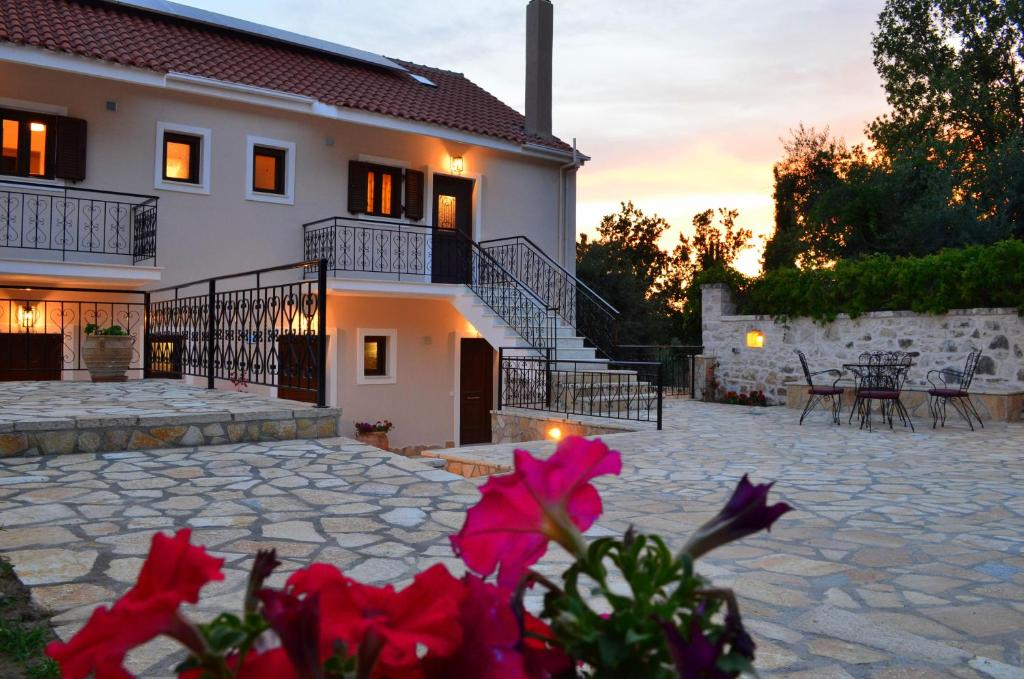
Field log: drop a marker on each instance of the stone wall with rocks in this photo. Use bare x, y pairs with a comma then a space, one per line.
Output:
513, 425
936, 341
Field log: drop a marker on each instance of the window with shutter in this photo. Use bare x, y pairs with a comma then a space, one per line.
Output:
27, 144
374, 189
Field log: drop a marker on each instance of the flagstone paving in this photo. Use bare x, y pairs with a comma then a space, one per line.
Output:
904, 557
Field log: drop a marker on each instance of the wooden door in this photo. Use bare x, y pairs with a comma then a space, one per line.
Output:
476, 391
297, 375
453, 215
31, 356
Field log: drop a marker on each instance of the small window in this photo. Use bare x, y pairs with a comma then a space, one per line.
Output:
383, 191
181, 157
271, 169
27, 144
375, 356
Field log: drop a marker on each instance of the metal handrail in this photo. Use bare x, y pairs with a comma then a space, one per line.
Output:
541, 339
65, 188
61, 218
586, 288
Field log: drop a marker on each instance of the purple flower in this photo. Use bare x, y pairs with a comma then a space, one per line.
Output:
262, 566
696, 658
746, 513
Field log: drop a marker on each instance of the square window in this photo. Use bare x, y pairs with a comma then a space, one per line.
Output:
375, 356
26, 144
181, 157
268, 170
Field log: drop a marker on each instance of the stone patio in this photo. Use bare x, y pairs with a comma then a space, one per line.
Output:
904, 559
53, 418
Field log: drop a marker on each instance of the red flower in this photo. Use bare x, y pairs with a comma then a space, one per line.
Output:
272, 664
543, 659
539, 501
173, 573
386, 626
490, 636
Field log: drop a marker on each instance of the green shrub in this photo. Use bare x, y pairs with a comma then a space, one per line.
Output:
975, 276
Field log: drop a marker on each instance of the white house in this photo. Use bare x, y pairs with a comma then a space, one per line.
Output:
148, 144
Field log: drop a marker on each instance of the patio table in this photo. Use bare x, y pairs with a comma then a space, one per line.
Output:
882, 381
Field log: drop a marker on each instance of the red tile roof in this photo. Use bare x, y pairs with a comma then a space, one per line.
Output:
135, 37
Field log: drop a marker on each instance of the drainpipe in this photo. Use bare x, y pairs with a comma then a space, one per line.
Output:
563, 187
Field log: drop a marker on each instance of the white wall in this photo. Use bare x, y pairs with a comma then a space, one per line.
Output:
202, 235
939, 341
421, 402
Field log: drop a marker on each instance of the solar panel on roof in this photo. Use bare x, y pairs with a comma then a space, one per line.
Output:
202, 16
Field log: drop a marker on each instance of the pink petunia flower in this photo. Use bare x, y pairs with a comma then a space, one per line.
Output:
541, 500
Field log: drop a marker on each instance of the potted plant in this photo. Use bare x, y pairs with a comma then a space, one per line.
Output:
107, 352
374, 433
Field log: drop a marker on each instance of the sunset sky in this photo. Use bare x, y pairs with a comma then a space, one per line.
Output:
681, 104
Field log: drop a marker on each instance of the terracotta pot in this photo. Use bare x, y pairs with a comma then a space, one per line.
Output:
107, 356
377, 439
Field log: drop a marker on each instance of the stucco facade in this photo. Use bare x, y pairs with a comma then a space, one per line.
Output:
201, 235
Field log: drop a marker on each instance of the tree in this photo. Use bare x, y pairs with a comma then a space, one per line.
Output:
947, 162
628, 267
813, 164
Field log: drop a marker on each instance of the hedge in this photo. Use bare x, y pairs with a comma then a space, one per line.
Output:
966, 278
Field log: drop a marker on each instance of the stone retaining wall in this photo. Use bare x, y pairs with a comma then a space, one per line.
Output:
106, 434
939, 341
515, 425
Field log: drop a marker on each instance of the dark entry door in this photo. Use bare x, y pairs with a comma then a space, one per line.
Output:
453, 215
476, 391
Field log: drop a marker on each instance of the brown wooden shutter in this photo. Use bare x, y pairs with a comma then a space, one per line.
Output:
414, 180
70, 147
357, 186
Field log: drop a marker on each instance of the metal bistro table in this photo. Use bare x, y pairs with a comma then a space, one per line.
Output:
880, 377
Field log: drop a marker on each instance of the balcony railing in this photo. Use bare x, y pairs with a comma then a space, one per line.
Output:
72, 220
377, 249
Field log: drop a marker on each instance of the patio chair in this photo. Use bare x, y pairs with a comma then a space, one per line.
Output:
953, 390
880, 377
818, 393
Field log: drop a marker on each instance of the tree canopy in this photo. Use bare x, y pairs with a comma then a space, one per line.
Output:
946, 163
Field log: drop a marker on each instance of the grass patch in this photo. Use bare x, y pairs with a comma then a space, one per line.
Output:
24, 632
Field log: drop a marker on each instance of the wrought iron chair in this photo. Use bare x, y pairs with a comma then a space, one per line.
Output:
953, 390
880, 377
818, 393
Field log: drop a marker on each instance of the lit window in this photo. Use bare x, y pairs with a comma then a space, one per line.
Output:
10, 147
375, 356
446, 212
383, 190
37, 149
181, 157
268, 169
27, 144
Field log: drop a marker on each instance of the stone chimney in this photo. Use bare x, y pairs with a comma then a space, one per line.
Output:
539, 29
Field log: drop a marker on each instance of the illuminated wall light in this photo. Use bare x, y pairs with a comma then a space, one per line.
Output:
27, 316
755, 339
458, 165
37, 127
555, 434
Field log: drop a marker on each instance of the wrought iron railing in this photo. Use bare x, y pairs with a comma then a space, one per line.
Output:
74, 220
399, 251
622, 390
42, 330
244, 329
679, 363
589, 314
